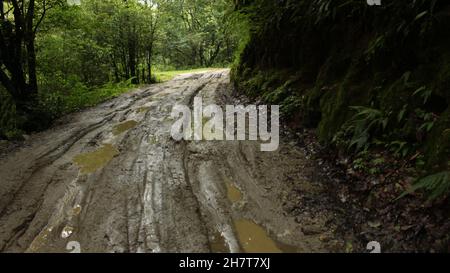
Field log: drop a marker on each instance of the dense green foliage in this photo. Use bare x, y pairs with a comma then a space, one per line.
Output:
367, 77
196, 33
87, 51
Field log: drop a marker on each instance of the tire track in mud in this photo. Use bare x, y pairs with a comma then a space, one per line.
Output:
142, 191
185, 157
49, 157
38, 166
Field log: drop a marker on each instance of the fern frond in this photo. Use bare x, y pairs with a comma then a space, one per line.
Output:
436, 185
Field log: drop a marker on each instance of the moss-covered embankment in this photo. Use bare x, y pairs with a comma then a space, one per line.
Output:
319, 58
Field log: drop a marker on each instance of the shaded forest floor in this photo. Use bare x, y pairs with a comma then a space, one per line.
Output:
367, 205
362, 192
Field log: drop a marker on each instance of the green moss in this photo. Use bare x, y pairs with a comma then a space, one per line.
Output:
335, 103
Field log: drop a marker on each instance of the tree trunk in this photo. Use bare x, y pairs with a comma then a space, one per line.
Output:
18, 56
2, 11
115, 69
32, 79
132, 61
31, 53
149, 64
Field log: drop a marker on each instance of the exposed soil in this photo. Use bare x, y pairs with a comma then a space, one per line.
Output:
112, 178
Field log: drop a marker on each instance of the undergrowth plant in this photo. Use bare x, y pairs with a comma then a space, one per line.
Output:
436, 185
364, 124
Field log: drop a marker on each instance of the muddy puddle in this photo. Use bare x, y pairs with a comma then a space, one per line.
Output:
40, 240
233, 193
92, 161
76, 210
217, 243
67, 231
254, 239
143, 109
124, 126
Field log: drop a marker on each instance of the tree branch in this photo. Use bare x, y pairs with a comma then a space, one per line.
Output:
44, 11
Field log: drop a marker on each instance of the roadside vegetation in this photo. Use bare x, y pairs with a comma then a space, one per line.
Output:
377, 82
372, 83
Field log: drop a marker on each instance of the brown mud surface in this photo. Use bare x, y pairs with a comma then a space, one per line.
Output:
112, 178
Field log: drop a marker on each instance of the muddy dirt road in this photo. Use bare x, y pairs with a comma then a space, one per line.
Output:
112, 179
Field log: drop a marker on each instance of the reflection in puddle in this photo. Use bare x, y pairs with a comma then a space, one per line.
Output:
217, 243
254, 239
76, 210
66, 232
90, 162
40, 240
233, 193
124, 126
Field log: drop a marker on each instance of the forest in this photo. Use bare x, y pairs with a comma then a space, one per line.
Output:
366, 86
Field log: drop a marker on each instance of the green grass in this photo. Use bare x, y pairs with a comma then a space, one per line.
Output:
78, 96
83, 98
163, 76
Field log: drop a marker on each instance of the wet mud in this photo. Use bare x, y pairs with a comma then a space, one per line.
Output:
112, 179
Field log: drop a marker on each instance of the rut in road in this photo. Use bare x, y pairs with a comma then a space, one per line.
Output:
112, 179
